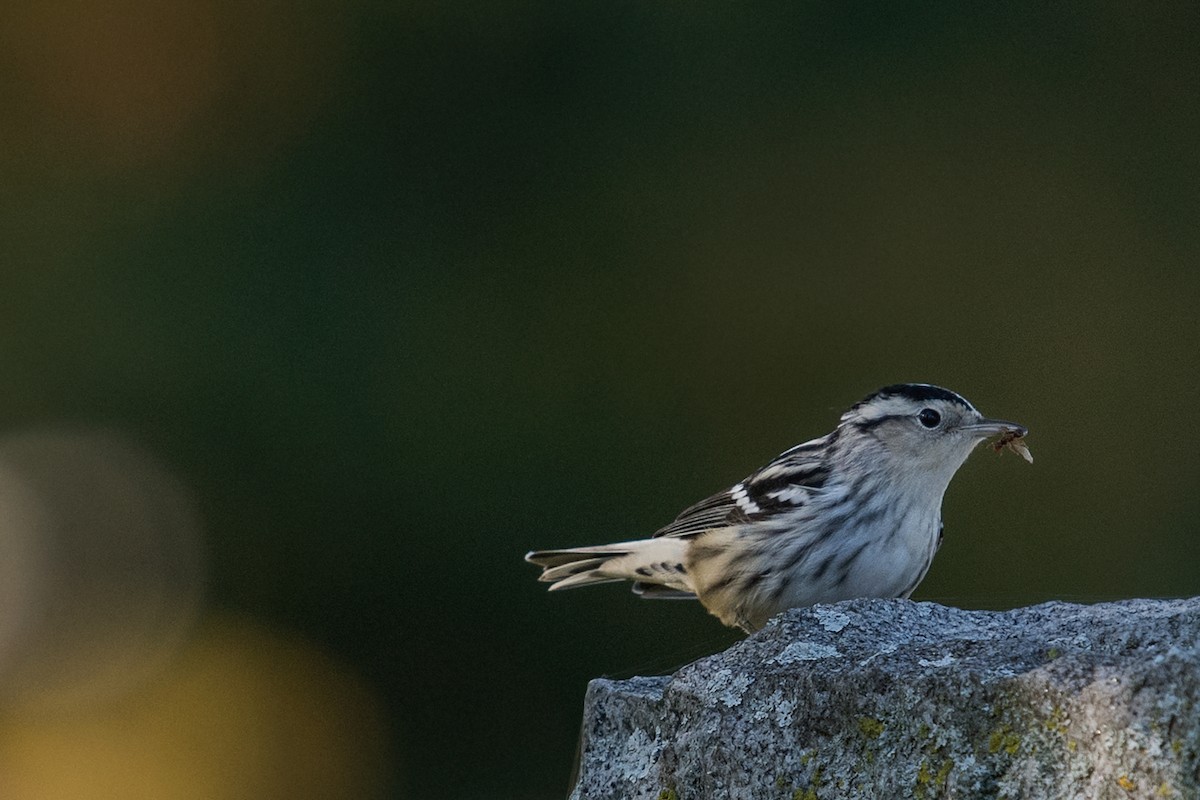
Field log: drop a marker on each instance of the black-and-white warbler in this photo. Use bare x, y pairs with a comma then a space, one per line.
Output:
855, 513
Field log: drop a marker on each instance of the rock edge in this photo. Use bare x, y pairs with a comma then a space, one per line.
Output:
895, 699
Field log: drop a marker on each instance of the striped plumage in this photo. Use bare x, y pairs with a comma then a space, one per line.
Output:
854, 513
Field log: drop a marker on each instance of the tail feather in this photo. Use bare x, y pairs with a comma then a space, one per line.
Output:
656, 566
657, 591
571, 555
590, 578
572, 569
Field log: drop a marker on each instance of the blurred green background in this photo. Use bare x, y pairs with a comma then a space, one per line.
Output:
402, 291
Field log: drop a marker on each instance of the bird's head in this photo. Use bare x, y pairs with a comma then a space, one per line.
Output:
929, 429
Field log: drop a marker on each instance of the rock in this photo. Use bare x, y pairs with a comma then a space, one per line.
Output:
895, 699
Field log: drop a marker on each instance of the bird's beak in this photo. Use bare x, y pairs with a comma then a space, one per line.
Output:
994, 427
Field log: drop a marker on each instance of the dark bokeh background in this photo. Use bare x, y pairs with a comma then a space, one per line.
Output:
402, 291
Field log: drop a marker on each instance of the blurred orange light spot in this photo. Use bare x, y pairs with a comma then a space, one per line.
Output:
244, 712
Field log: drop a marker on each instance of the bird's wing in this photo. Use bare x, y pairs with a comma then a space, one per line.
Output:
718, 511
788, 482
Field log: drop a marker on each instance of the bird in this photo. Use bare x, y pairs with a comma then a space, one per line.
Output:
854, 513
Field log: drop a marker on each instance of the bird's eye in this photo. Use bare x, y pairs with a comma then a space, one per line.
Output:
929, 418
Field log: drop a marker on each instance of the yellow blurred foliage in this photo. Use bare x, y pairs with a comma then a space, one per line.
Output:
244, 712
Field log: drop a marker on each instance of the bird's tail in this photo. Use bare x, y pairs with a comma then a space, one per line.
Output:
655, 565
